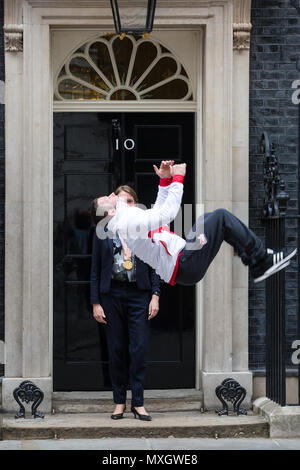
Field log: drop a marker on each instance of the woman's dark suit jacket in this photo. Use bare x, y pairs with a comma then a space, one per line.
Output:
101, 270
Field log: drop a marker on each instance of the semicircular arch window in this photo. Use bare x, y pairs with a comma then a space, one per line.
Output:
108, 68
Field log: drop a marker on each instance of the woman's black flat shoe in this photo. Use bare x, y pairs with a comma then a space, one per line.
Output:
142, 417
118, 415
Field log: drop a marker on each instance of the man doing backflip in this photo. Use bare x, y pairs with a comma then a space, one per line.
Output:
179, 261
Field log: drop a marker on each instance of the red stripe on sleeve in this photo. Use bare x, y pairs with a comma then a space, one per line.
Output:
164, 181
178, 179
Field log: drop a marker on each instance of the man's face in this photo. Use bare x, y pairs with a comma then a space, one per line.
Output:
108, 203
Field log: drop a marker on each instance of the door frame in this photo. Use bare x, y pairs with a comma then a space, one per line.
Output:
29, 183
158, 106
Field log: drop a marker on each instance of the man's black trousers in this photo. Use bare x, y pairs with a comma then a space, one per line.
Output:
217, 226
126, 308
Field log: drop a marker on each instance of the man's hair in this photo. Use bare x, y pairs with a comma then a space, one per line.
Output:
97, 218
94, 205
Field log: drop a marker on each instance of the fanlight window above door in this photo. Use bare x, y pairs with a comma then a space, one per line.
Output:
108, 68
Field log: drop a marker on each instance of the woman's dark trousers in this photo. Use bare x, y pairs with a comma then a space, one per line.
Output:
127, 329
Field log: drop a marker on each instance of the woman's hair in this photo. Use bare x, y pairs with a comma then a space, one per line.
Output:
94, 205
127, 189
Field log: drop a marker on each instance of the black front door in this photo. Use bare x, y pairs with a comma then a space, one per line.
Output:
93, 154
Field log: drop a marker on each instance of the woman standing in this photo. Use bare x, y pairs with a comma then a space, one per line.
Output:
125, 296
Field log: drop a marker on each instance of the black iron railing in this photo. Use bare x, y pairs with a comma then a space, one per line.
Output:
274, 215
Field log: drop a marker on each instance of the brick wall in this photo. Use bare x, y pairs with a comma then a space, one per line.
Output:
2, 182
275, 45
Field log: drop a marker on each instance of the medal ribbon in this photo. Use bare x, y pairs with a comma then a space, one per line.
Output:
126, 250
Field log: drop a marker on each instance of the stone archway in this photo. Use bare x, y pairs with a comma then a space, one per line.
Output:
222, 135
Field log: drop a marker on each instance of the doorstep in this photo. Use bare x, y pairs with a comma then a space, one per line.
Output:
155, 400
163, 424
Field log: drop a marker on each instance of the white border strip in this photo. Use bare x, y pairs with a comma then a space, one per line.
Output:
125, 106
2, 352
2, 92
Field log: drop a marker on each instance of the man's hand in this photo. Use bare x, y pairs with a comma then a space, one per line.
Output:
179, 169
107, 201
164, 169
153, 307
99, 314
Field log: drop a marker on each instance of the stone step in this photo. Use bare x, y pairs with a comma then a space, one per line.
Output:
102, 402
99, 425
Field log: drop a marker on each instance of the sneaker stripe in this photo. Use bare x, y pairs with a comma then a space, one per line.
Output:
274, 271
283, 260
277, 266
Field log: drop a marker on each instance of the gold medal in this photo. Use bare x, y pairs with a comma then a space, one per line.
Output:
128, 264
